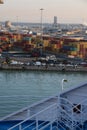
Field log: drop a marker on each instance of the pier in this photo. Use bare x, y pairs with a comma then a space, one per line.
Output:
43, 68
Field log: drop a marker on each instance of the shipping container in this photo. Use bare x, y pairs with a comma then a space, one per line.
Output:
27, 38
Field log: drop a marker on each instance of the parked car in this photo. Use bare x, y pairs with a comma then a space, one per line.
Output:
13, 62
37, 63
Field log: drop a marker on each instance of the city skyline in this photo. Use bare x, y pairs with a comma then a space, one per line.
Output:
67, 11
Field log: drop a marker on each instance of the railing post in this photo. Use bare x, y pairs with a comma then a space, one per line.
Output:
72, 118
36, 123
82, 116
28, 113
58, 111
20, 127
51, 126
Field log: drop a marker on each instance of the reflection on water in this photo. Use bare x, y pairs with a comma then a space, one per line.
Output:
21, 88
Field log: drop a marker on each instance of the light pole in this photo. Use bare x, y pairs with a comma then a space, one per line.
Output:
63, 80
41, 20
41, 28
1, 2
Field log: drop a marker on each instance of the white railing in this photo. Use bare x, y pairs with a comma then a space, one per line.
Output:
48, 114
70, 118
60, 112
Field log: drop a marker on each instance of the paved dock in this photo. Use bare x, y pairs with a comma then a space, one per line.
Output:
43, 68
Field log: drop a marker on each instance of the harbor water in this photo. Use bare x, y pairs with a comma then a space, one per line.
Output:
19, 89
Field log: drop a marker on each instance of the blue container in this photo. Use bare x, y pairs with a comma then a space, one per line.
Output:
27, 38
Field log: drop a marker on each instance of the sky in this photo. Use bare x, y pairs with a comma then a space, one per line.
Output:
67, 11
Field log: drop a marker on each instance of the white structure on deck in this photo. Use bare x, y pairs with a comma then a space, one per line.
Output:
68, 110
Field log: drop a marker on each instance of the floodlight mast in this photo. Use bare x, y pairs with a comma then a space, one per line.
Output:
41, 21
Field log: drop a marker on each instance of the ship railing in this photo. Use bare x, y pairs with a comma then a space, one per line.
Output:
47, 115
84, 110
49, 125
69, 117
81, 114
53, 127
69, 107
65, 118
58, 111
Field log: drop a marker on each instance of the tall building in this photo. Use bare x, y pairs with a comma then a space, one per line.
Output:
55, 21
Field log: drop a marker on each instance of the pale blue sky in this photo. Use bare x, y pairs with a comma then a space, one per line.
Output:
67, 11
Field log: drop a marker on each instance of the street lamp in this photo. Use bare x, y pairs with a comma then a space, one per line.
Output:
63, 80
59, 96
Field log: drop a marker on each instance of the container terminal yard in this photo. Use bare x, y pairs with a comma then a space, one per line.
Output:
62, 49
